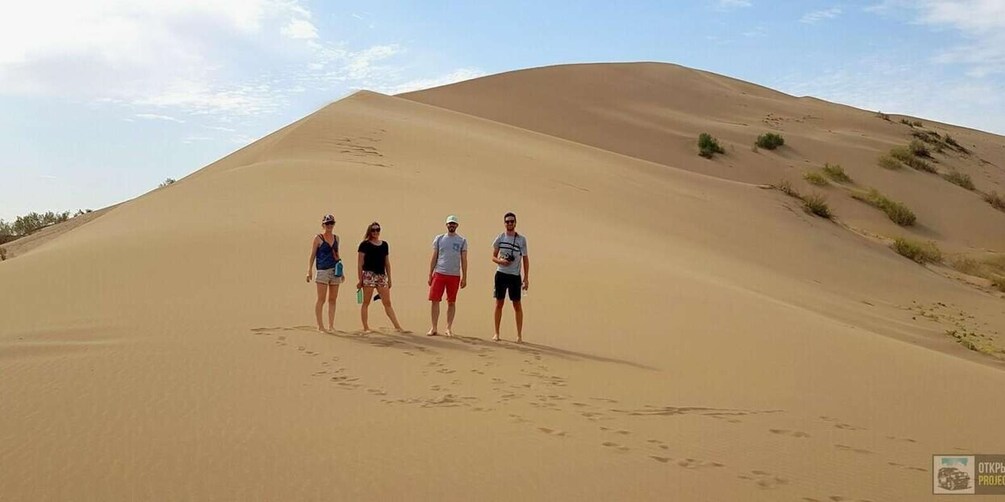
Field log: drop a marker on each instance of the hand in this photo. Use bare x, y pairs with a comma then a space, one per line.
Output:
308, 277
388, 283
430, 281
464, 282
359, 285
526, 284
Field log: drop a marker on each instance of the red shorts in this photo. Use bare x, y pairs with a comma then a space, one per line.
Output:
440, 282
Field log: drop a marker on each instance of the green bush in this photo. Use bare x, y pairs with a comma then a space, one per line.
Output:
918, 251
918, 148
785, 187
816, 204
916, 123
836, 173
958, 178
708, 146
889, 162
956, 146
995, 200
815, 178
883, 116
896, 211
905, 121
905, 155
770, 141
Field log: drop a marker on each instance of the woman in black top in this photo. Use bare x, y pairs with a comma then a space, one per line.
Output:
374, 267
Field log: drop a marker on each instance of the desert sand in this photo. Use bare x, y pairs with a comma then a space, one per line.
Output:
692, 334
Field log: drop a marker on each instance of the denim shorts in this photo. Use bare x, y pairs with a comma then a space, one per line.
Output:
327, 276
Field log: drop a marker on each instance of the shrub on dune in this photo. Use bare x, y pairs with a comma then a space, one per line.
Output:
921, 252
888, 162
996, 201
769, 141
816, 204
896, 211
958, 178
708, 146
815, 178
836, 173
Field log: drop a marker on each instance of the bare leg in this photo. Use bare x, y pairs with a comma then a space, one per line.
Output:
518, 308
434, 311
332, 298
451, 309
385, 298
499, 307
367, 296
319, 305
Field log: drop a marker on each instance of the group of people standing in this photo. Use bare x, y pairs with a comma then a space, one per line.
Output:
448, 272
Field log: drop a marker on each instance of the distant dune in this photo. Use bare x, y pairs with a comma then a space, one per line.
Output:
693, 334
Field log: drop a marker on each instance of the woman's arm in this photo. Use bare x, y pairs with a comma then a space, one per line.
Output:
310, 262
359, 268
387, 269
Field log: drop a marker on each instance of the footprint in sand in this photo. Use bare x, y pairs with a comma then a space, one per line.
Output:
552, 432
786, 432
765, 480
659, 459
690, 463
616, 446
849, 448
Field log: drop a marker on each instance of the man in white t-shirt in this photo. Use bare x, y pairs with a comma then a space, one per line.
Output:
448, 270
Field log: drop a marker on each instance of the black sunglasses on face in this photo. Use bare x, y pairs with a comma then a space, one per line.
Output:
375, 230
510, 222
329, 223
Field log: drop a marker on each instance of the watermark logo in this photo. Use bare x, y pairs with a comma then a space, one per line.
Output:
968, 474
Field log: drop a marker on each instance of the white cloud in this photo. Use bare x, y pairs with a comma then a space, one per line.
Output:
867, 84
731, 4
426, 83
820, 15
300, 29
154, 116
981, 22
142, 52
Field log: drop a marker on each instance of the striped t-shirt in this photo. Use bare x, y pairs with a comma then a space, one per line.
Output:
514, 247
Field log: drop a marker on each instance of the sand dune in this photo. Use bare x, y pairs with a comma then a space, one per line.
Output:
693, 336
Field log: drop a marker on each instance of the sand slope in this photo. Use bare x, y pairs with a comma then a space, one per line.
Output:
693, 336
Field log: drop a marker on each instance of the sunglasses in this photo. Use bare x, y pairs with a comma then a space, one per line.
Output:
375, 229
509, 222
329, 223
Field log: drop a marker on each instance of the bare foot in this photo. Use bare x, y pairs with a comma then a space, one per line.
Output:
402, 331
495, 338
431, 332
449, 332
519, 339
321, 329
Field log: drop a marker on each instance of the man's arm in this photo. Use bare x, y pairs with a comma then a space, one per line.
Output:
526, 272
464, 268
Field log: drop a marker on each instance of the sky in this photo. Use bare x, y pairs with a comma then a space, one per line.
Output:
102, 100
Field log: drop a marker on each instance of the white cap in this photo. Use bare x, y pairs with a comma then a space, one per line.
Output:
452, 219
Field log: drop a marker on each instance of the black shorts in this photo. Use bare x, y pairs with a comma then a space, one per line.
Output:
507, 282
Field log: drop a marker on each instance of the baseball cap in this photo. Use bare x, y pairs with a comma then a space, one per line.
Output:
329, 218
452, 219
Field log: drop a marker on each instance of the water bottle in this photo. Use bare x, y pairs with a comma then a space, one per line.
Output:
359, 296
338, 268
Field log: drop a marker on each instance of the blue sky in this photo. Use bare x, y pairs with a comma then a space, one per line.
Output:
102, 100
